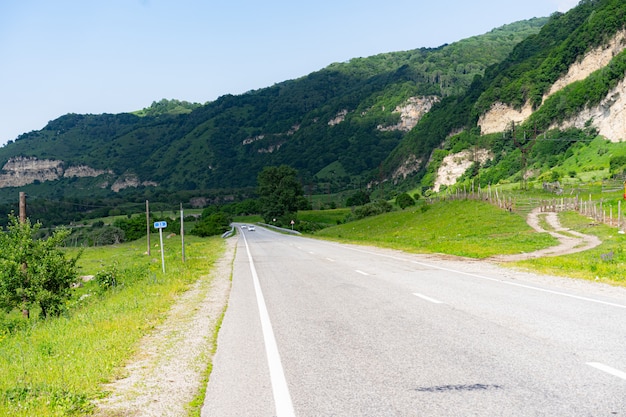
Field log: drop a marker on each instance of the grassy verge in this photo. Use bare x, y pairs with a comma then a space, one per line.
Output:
56, 367
464, 228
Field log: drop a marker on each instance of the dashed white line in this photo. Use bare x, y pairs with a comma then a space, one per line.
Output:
362, 273
330, 260
515, 284
423, 297
608, 369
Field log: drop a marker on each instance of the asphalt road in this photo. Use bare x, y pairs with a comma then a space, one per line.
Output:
316, 328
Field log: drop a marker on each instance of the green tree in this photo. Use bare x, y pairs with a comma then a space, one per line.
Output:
34, 272
213, 224
133, 228
359, 198
280, 193
404, 200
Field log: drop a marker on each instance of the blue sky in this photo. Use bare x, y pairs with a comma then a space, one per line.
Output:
82, 56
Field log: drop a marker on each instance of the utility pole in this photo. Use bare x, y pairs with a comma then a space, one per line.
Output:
25, 311
22, 207
182, 231
148, 226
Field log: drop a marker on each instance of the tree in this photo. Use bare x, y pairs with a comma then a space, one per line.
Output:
404, 200
359, 198
280, 193
213, 224
34, 272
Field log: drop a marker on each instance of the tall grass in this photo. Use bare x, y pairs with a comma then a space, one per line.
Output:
57, 366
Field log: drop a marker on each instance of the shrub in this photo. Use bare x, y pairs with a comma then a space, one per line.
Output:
34, 272
214, 224
372, 209
404, 200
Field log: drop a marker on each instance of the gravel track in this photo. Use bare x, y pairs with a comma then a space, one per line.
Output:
167, 370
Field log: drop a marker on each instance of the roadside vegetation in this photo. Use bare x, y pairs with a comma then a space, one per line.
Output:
463, 228
56, 366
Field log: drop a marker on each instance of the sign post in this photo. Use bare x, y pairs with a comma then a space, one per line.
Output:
161, 226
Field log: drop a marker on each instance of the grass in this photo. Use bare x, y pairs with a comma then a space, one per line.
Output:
464, 228
56, 367
478, 230
330, 217
588, 265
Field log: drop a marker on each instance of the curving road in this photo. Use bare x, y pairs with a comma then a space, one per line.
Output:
321, 329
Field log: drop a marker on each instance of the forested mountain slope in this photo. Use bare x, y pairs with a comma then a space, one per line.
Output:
336, 126
569, 76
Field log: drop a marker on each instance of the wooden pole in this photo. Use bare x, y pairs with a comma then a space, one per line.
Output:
22, 207
148, 226
25, 311
182, 231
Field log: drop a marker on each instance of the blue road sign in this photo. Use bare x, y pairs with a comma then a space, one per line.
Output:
160, 225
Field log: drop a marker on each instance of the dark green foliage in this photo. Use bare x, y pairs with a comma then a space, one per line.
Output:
372, 209
404, 200
133, 228
617, 163
34, 272
212, 224
280, 193
359, 198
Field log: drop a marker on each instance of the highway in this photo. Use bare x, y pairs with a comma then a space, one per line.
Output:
316, 328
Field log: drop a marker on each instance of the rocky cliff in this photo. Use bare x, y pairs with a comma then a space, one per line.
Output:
20, 171
607, 117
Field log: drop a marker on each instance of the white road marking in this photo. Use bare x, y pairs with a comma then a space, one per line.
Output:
282, 398
362, 273
529, 287
608, 369
330, 260
423, 297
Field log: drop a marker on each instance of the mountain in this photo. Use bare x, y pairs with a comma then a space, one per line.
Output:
336, 126
515, 104
561, 86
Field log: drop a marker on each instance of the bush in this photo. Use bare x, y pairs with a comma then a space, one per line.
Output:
404, 200
107, 278
34, 272
372, 209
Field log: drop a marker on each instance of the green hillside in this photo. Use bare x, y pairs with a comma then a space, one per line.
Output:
225, 143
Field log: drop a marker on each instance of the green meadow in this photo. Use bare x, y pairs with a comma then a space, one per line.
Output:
479, 230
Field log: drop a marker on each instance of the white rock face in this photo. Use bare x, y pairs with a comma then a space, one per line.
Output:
500, 117
455, 165
411, 112
607, 117
20, 171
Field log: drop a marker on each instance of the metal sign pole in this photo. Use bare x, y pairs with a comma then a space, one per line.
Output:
161, 226
162, 251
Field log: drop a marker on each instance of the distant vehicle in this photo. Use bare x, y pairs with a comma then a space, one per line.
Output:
251, 228
244, 227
